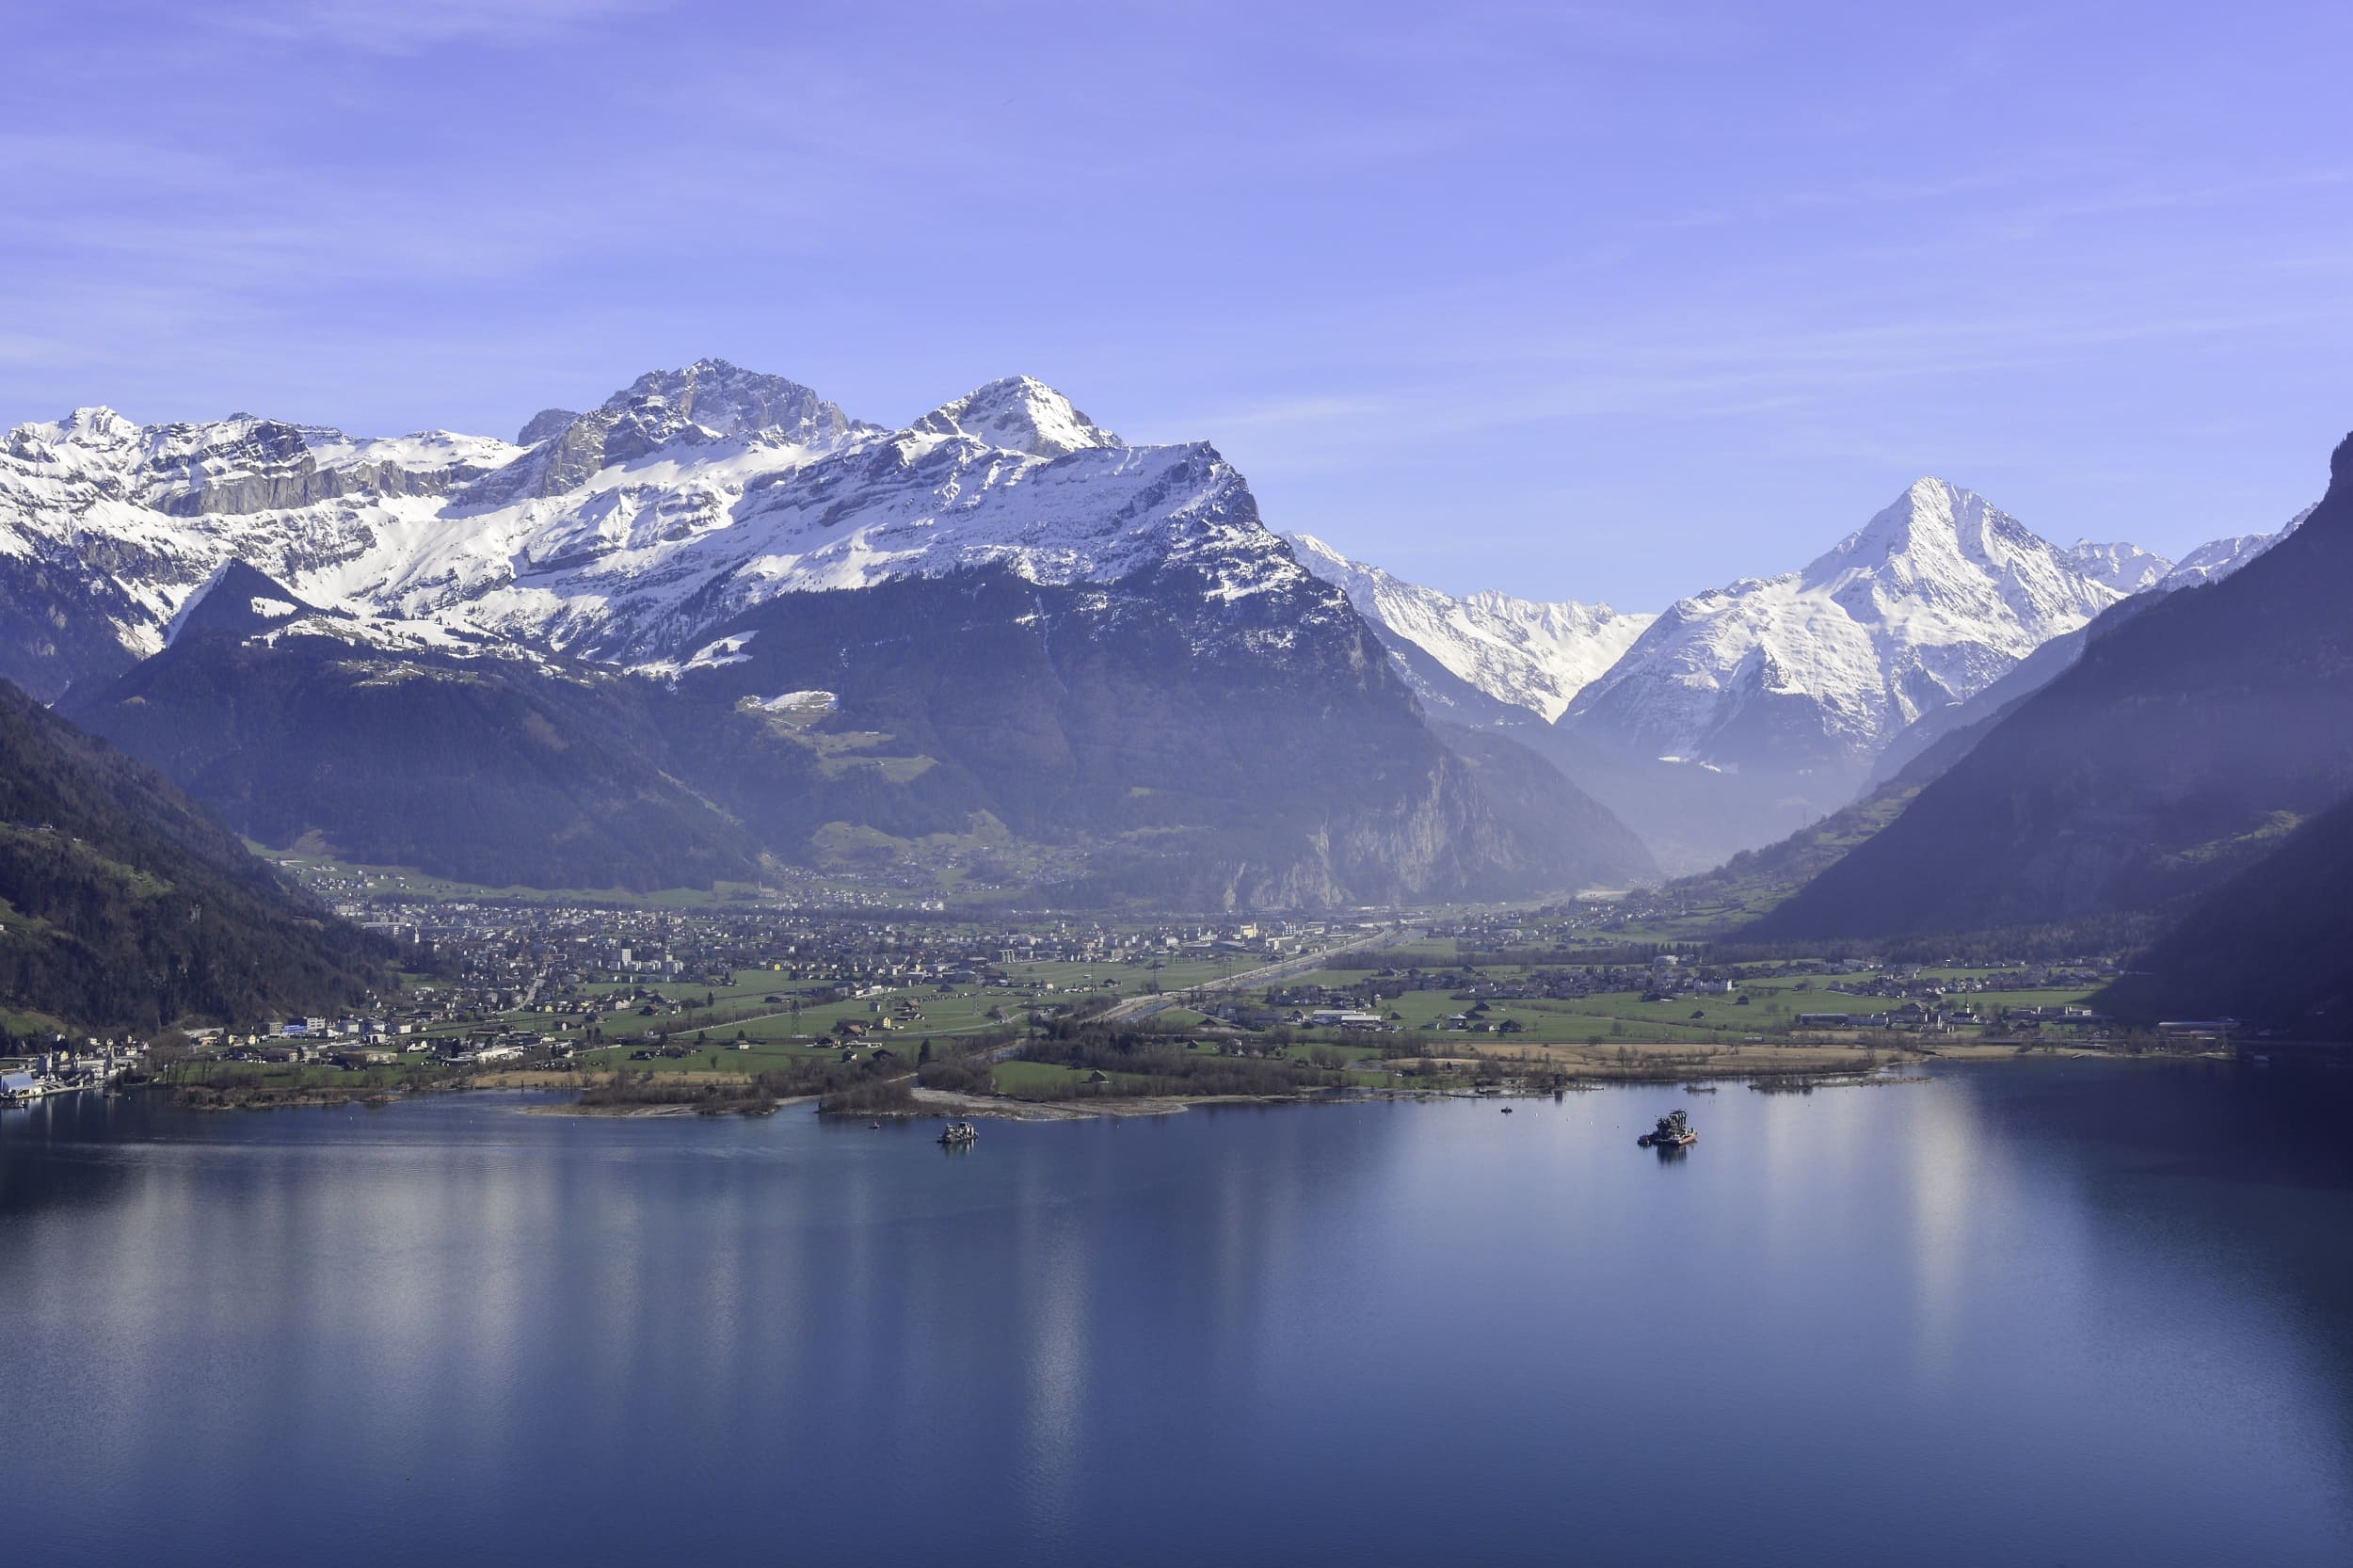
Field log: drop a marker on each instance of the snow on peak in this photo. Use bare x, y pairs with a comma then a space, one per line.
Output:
673, 416
1018, 414
1521, 652
728, 400
2124, 567
98, 422
1936, 596
1935, 520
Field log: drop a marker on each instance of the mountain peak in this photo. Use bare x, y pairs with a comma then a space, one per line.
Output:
545, 426
96, 425
1933, 518
661, 408
1018, 413
98, 417
728, 400
238, 599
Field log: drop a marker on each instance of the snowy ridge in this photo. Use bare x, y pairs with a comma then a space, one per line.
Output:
421, 452
1527, 654
2211, 563
625, 532
2126, 567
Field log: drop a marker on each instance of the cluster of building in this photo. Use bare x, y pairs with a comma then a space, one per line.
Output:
93, 1064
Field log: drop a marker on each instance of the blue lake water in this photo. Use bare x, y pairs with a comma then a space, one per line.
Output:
2033, 1313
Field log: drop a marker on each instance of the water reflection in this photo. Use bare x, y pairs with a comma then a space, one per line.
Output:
2099, 1310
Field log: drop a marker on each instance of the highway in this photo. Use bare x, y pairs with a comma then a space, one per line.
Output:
1144, 1007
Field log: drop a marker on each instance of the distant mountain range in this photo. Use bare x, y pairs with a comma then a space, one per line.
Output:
1744, 711
716, 620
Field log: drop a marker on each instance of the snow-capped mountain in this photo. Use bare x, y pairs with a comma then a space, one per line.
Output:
1924, 606
1026, 622
1519, 653
107, 528
625, 533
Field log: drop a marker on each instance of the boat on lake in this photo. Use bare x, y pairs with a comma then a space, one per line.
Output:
960, 1132
1673, 1131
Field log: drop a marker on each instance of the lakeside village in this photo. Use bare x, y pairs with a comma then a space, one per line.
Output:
736, 1009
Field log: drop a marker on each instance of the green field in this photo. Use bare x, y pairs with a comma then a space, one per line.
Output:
1774, 1004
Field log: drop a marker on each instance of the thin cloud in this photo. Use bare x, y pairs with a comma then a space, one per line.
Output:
411, 26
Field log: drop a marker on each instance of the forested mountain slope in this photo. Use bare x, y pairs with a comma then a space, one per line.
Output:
2271, 946
123, 905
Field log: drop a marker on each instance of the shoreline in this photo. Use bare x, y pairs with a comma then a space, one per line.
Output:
1821, 1067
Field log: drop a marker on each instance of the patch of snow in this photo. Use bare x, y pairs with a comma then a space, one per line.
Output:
725, 651
795, 701
421, 452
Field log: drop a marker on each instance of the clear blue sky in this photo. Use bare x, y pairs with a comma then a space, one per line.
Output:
1607, 302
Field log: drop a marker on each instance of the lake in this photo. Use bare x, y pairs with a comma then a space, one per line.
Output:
2042, 1312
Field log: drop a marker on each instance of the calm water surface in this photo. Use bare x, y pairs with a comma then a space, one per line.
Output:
2033, 1313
